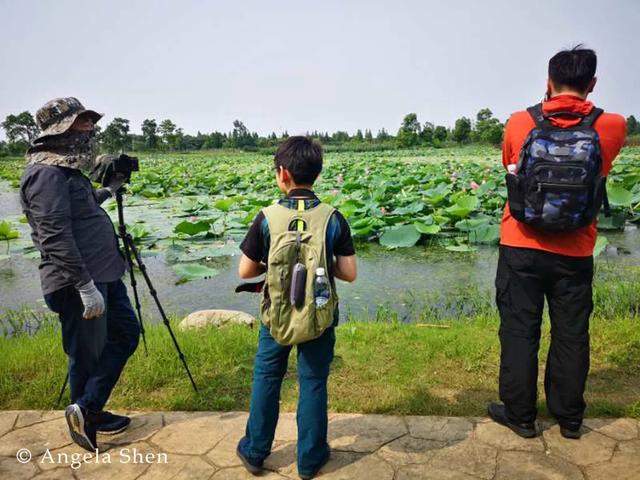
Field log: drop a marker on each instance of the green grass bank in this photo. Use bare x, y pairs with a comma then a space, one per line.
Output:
379, 368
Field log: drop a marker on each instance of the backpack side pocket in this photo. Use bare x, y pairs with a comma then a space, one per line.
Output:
515, 196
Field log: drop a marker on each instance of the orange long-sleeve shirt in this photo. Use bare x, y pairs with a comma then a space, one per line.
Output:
611, 128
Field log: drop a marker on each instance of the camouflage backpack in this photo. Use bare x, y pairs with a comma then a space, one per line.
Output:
296, 237
558, 184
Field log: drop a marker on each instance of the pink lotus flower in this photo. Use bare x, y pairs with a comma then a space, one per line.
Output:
340, 179
383, 210
474, 185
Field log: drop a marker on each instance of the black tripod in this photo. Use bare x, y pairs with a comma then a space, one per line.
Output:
130, 250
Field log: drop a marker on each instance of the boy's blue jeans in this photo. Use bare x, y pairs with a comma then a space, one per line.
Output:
99, 348
314, 360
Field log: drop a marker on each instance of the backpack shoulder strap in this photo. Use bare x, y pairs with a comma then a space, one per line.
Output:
589, 119
278, 218
538, 116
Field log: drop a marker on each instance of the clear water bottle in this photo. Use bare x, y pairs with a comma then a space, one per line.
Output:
322, 288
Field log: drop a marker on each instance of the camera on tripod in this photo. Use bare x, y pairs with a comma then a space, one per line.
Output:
124, 165
109, 166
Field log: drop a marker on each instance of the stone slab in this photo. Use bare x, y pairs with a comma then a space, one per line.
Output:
616, 428
203, 444
535, 466
592, 448
37, 438
409, 450
364, 433
7, 420
504, 439
625, 464
440, 429
31, 417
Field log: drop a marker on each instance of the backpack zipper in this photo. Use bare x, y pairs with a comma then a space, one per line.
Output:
560, 186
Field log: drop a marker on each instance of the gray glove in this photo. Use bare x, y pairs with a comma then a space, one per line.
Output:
115, 184
92, 300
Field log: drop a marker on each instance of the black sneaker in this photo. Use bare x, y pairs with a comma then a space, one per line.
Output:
252, 467
108, 423
499, 415
309, 476
571, 430
81, 427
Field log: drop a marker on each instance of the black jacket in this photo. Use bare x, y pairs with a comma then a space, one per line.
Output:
75, 236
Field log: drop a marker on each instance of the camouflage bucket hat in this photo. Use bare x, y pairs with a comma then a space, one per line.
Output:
56, 116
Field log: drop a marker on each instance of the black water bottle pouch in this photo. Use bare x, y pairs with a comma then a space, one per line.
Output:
298, 284
515, 196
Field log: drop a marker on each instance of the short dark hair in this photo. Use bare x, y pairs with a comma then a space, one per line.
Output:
573, 68
302, 157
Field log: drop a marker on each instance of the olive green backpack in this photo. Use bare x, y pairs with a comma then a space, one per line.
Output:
305, 244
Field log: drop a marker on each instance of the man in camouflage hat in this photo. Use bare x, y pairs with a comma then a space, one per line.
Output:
81, 264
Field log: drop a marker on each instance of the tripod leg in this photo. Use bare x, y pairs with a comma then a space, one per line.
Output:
122, 227
64, 387
154, 294
134, 286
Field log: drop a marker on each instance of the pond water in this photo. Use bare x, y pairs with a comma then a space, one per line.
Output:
401, 281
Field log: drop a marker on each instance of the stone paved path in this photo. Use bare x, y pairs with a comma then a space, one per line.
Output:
201, 445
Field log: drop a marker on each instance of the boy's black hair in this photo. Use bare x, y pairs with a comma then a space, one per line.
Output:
302, 157
573, 68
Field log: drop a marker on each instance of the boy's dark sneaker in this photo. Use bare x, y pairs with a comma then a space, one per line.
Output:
108, 423
81, 426
499, 415
571, 430
254, 468
309, 476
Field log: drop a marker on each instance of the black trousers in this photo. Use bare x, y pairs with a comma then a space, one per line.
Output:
524, 278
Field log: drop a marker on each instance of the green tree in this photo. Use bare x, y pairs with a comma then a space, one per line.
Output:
20, 130
409, 130
462, 130
215, 140
632, 125
241, 137
440, 134
488, 129
150, 134
340, 137
484, 114
179, 141
426, 135
368, 136
382, 135
167, 130
115, 137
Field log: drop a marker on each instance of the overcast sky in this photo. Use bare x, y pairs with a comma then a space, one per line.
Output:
307, 65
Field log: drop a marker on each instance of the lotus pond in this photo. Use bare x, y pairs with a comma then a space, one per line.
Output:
426, 223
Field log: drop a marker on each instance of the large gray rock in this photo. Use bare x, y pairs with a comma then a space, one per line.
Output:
216, 318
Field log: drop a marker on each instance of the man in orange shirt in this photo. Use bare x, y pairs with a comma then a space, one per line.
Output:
535, 263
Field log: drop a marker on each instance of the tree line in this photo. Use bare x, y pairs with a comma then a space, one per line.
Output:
21, 130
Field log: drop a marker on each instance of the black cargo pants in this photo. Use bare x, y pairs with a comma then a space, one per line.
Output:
523, 280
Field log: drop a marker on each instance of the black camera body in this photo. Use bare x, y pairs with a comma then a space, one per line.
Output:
109, 166
124, 165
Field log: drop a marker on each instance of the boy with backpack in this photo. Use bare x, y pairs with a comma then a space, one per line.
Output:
557, 155
301, 245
